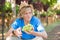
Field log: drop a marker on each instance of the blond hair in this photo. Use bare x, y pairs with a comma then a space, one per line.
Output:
23, 10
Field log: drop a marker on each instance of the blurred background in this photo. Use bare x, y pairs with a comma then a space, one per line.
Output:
48, 11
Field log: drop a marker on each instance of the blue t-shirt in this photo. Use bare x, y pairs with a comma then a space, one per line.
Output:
19, 22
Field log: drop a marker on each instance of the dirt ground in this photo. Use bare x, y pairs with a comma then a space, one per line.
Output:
54, 34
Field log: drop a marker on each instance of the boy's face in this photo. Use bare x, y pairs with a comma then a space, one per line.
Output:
28, 14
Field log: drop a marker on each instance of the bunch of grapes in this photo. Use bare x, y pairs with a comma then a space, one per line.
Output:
28, 27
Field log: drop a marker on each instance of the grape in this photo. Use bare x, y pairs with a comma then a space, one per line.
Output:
27, 27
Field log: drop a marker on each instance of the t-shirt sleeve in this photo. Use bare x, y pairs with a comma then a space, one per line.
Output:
40, 27
16, 24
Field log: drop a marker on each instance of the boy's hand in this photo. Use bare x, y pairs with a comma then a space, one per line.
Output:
18, 32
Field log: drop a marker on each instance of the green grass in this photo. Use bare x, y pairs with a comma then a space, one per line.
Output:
52, 26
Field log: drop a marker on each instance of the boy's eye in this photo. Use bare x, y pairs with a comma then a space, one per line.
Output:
26, 13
